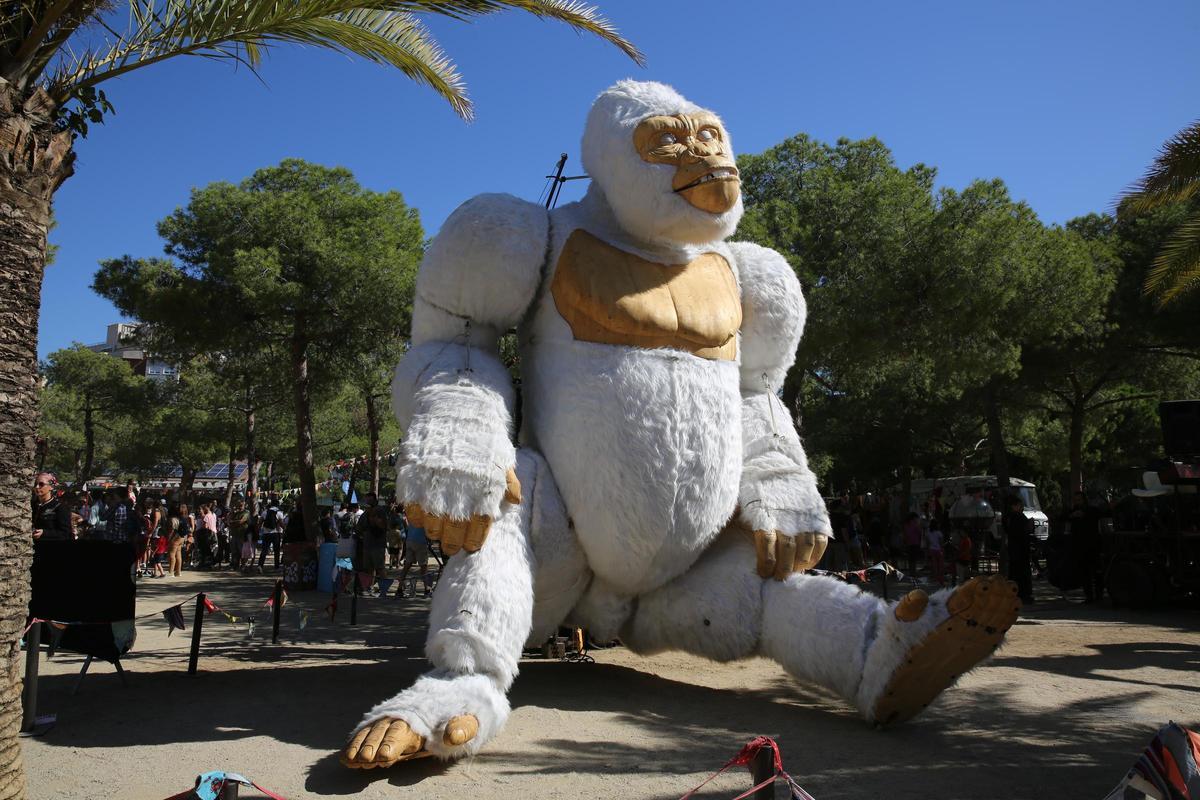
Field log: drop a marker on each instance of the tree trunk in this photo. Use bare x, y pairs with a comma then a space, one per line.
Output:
252, 462
185, 484
270, 476
89, 444
1075, 444
995, 431
373, 432
34, 161
304, 447
229, 486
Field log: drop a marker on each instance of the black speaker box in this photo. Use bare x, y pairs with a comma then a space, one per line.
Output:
1181, 428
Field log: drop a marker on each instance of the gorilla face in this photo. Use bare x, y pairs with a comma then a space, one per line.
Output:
695, 145
664, 165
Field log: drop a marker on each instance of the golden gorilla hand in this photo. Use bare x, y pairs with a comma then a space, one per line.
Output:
461, 534
779, 554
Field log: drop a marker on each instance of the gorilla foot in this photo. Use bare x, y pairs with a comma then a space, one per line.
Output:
389, 741
931, 642
443, 714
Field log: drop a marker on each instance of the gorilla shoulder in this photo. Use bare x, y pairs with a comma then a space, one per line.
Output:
485, 263
773, 313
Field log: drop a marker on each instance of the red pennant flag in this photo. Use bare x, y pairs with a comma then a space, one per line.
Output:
210, 606
332, 608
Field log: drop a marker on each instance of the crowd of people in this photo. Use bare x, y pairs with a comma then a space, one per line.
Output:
170, 537
932, 542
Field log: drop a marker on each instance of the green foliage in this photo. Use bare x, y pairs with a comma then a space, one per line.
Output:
924, 301
88, 399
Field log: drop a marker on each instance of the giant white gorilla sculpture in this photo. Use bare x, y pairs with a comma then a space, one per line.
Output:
660, 492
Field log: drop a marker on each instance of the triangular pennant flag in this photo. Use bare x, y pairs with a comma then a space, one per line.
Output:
332, 608
210, 606
250, 627
283, 600
174, 618
385, 584
303, 619
344, 579
365, 579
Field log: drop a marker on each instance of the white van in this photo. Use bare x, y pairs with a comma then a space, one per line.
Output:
954, 488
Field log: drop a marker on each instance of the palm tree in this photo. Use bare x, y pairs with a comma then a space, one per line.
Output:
1173, 177
54, 54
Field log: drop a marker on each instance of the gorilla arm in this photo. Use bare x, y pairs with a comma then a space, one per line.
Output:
452, 396
778, 497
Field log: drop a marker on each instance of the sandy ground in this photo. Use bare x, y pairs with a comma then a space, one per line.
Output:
1061, 711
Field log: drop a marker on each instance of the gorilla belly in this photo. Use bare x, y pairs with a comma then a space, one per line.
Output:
645, 446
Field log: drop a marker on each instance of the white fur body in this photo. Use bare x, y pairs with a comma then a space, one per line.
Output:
633, 460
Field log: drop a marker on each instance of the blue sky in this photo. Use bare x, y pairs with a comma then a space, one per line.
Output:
1066, 101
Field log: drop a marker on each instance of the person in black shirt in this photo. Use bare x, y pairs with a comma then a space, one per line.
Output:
51, 517
1019, 530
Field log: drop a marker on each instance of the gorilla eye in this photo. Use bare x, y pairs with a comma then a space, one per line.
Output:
666, 139
706, 135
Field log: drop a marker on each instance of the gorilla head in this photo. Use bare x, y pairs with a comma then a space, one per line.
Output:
664, 165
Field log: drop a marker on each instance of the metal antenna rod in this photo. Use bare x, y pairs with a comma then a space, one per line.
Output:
557, 180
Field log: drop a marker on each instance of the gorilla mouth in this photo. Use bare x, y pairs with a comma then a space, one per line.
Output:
719, 174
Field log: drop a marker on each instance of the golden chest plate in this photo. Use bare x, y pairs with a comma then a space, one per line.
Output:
609, 296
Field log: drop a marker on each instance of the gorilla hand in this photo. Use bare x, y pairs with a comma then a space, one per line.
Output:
780, 554
461, 534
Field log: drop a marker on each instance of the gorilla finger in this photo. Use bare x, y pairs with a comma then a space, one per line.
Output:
764, 547
434, 526
785, 556
512, 489
804, 548
399, 740
352, 747
454, 533
819, 549
460, 730
477, 532
378, 730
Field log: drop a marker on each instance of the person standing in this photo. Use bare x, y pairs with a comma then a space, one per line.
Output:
416, 553
1083, 543
912, 540
272, 529
239, 528
175, 542
1018, 529
51, 517
933, 550
187, 533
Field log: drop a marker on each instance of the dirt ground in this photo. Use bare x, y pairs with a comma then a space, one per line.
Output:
1061, 711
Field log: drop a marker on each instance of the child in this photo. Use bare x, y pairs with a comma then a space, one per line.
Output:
933, 551
962, 566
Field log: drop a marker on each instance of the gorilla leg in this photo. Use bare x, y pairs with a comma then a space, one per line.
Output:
480, 616
889, 660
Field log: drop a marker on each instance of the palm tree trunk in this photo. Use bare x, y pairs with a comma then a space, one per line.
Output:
304, 446
373, 432
34, 161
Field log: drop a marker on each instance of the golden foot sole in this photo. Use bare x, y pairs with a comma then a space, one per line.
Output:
981, 612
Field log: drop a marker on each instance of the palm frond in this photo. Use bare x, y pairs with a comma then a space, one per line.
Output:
382, 31
1176, 268
1174, 175
240, 31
